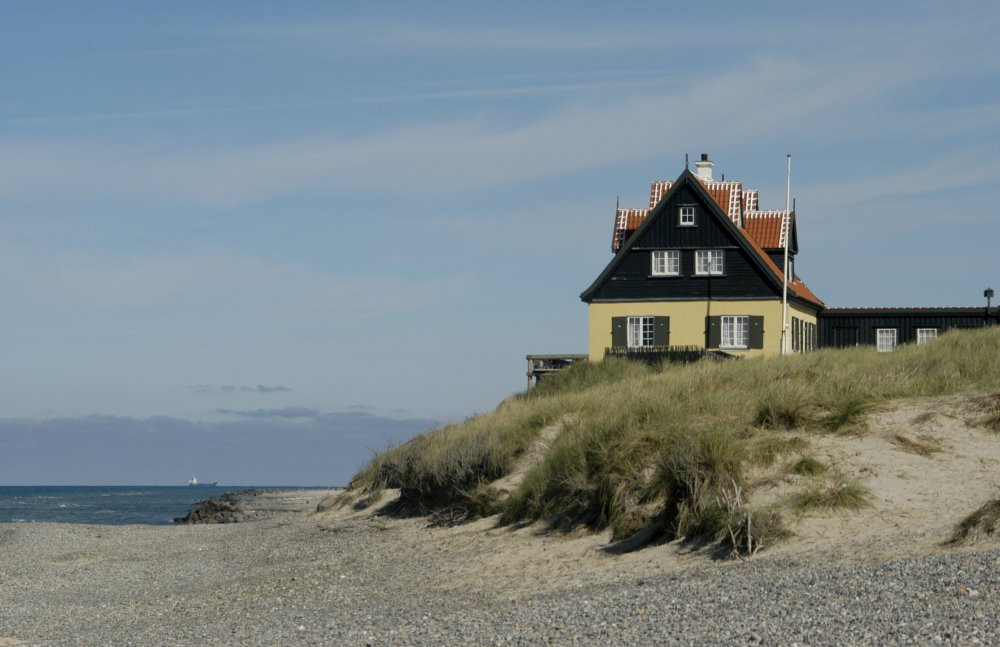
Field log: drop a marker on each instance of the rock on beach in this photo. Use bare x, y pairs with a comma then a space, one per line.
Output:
231, 507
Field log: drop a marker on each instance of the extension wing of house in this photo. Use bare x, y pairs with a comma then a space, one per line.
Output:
700, 267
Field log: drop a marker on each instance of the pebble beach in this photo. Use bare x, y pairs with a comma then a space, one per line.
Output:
299, 578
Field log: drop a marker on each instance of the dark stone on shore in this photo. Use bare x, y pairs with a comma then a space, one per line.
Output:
228, 508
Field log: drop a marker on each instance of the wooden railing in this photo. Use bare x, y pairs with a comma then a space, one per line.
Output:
673, 354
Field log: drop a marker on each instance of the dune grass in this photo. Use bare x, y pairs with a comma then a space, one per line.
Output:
808, 466
665, 447
839, 495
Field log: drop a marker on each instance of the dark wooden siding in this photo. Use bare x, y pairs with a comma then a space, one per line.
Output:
840, 327
778, 258
632, 279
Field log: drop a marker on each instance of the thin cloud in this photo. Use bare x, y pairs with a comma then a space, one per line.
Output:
232, 388
470, 93
261, 388
290, 413
472, 153
959, 170
390, 36
229, 284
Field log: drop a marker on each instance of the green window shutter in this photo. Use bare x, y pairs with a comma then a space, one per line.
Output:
619, 332
661, 331
756, 332
713, 332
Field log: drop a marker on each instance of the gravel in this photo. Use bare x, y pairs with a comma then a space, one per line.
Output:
296, 580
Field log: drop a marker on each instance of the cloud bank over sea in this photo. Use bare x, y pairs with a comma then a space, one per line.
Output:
289, 446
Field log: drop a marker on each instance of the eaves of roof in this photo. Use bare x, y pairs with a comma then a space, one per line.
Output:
627, 244
907, 310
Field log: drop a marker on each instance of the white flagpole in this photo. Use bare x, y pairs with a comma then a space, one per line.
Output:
787, 230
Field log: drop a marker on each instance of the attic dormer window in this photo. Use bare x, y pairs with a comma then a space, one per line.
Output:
685, 216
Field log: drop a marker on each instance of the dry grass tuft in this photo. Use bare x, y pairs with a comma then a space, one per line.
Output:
786, 405
749, 532
989, 405
925, 446
841, 495
982, 524
764, 449
808, 466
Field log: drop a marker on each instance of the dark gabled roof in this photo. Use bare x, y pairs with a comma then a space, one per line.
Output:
796, 288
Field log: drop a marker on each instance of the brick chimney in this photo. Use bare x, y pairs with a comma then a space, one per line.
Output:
704, 166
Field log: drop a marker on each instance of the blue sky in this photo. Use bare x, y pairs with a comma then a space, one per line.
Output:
213, 214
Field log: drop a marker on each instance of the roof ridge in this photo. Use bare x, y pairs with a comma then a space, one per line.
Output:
759, 213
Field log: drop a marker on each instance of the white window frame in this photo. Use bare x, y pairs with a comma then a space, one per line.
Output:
685, 216
641, 331
886, 339
666, 262
709, 262
925, 335
735, 332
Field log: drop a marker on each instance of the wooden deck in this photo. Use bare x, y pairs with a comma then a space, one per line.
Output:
541, 365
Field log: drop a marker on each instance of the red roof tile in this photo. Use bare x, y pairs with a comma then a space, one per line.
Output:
765, 227
657, 190
727, 195
626, 222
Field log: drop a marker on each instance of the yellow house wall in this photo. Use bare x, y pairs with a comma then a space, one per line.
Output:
687, 321
803, 313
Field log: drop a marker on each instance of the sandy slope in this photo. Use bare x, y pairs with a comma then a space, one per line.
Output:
918, 500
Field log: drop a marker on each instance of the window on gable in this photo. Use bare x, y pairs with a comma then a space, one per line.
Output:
886, 339
666, 262
925, 335
685, 216
735, 332
641, 331
708, 262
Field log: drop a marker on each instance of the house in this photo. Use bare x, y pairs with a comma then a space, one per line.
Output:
886, 328
701, 266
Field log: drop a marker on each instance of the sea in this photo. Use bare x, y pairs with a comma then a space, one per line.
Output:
103, 504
